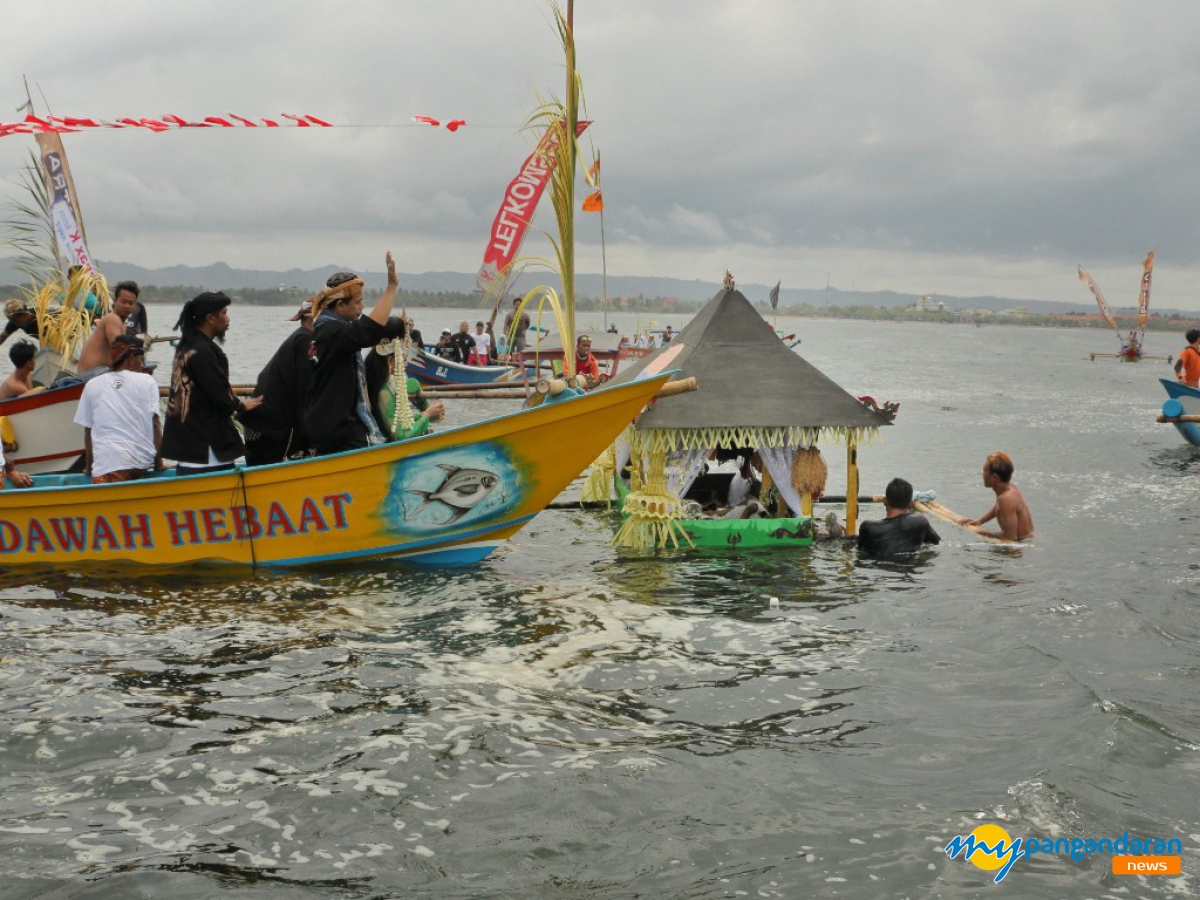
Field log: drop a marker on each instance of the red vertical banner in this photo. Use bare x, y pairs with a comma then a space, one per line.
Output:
516, 211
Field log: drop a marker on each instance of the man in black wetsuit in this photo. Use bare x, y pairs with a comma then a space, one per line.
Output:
903, 531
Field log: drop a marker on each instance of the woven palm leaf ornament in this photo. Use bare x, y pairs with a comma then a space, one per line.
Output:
653, 512
597, 487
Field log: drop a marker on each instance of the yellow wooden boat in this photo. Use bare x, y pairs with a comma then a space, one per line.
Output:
447, 498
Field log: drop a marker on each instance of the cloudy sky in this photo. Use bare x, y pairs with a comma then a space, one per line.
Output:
924, 146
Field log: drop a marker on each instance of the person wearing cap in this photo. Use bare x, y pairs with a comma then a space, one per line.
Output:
93, 359
199, 432
338, 417
21, 317
119, 413
381, 368
275, 431
442, 348
20, 381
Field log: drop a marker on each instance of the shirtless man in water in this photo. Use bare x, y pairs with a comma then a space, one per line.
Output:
1011, 512
98, 349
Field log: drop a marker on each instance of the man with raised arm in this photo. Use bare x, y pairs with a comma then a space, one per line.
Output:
338, 416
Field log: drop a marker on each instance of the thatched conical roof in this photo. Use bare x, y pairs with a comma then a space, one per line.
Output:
748, 380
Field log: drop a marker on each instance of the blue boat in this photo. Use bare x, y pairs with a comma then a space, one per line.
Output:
1183, 401
429, 368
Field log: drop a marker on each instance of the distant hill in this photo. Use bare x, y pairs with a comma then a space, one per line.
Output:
220, 276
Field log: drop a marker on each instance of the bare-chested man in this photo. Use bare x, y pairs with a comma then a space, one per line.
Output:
21, 380
1011, 512
98, 349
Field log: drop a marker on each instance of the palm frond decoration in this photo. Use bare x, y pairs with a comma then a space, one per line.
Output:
560, 120
30, 227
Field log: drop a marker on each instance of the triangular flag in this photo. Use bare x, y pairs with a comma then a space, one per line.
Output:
593, 203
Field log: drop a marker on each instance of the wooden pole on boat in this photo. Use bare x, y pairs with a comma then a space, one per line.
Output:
851, 486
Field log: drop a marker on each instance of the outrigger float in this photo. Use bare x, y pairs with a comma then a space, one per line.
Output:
1182, 409
448, 498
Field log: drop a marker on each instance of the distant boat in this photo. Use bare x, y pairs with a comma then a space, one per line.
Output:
429, 368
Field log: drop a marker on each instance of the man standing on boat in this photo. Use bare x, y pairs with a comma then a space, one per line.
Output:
1187, 367
518, 338
461, 344
275, 431
96, 352
339, 416
482, 353
119, 413
199, 432
902, 530
1011, 512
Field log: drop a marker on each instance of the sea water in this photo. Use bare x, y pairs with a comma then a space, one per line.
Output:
571, 720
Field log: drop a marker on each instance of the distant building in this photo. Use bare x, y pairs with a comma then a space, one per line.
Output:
929, 303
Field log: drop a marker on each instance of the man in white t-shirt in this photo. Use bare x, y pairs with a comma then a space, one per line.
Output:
483, 346
119, 412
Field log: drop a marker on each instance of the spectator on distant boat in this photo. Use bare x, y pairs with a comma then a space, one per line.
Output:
137, 322
502, 346
339, 416
1187, 367
119, 413
96, 352
586, 365
482, 354
1011, 512
414, 336
381, 366
199, 433
461, 345
519, 336
9, 470
442, 348
667, 335
275, 431
901, 530
21, 380
20, 318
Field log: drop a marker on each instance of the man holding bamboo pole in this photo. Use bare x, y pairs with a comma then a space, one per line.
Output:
1011, 512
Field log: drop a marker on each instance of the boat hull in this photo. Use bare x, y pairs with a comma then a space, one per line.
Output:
48, 440
1189, 399
448, 498
430, 369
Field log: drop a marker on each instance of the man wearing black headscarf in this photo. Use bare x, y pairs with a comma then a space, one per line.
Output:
199, 432
339, 416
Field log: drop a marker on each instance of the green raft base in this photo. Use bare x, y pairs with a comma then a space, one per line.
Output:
739, 533
713, 534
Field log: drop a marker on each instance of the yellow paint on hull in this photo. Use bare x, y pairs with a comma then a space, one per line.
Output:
447, 497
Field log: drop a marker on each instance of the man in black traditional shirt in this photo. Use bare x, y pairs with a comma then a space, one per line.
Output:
275, 431
199, 432
339, 416
903, 531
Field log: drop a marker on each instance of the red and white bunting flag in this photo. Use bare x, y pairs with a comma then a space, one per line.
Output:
32, 124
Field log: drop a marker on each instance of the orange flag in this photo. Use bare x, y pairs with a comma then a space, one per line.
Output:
594, 203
